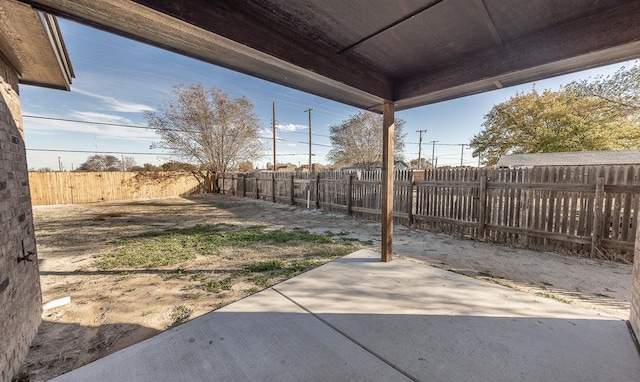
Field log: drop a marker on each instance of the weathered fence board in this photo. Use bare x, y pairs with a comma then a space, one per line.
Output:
89, 187
576, 209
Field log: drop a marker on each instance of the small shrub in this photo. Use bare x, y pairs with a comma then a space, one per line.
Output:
180, 314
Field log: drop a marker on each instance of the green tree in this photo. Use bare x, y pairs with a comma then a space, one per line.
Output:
207, 128
101, 163
589, 115
358, 141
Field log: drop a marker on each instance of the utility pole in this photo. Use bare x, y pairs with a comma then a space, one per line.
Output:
433, 153
309, 184
420, 148
461, 153
274, 136
59, 164
309, 111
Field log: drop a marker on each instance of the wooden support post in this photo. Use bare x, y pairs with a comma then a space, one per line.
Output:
233, 184
273, 187
388, 127
257, 189
482, 206
596, 236
293, 190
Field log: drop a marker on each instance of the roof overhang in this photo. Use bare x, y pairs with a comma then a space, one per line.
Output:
367, 52
31, 43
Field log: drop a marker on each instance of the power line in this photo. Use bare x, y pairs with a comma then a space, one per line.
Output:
92, 122
99, 152
302, 132
139, 127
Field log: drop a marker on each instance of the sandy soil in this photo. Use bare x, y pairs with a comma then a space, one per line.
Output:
110, 310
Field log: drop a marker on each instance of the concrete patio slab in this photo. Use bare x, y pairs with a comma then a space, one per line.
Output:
359, 319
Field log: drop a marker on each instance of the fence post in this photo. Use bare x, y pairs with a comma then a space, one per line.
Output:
224, 190
482, 205
244, 185
410, 197
318, 191
293, 189
273, 187
349, 192
233, 184
257, 189
596, 237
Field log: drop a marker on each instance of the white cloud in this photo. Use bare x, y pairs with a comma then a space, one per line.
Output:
292, 127
115, 104
266, 133
46, 127
101, 117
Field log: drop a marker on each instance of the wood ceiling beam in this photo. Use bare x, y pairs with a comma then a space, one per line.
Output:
390, 25
234, 20
607, 37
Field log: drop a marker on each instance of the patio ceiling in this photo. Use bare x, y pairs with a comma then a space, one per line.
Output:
367, 52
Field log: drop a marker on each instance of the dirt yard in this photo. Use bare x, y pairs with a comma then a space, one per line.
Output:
115, 304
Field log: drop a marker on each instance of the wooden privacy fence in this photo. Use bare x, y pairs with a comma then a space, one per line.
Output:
585, 210
89, 187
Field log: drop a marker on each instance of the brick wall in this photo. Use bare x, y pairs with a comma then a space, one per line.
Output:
635, 289
20, 296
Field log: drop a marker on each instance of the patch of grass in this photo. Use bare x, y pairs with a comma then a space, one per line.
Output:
334, 250
193, 296
23, 376
180, 314
215, 286
265, 266
198, 276
260, 281
145, 253
175, 274
168, 247
124, 276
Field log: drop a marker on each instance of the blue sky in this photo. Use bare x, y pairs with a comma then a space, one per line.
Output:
117, 80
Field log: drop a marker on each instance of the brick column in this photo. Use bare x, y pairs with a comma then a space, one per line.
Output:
20, 296
635, 288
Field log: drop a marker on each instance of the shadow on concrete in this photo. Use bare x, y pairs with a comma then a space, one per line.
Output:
294, 346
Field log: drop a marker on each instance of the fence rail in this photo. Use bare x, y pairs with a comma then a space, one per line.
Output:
89, 187
585, 210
